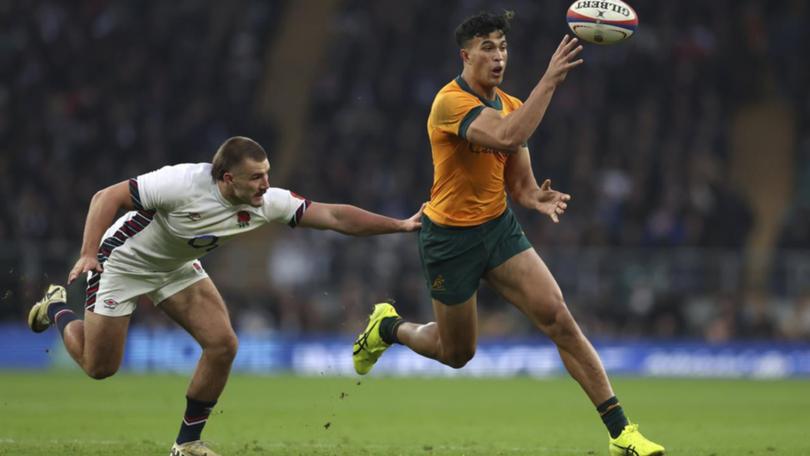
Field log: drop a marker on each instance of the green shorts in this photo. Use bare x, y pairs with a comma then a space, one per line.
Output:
455, 258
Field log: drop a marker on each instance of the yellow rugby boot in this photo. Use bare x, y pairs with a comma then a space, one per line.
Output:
193, 448
369, 346
38, 319
631, 443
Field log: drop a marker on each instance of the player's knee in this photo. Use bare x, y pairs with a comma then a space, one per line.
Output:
559, 323
459, 358
552, 311
101, 371
224, 348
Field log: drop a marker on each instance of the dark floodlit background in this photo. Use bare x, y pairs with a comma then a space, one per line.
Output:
686, 150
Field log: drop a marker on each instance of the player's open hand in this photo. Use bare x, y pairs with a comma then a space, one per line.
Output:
563, 60
84, 264
551, 202
414, 223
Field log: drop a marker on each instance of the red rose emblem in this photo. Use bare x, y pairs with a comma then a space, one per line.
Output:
243, 218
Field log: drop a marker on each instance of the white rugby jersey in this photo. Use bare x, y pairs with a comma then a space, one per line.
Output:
181, 215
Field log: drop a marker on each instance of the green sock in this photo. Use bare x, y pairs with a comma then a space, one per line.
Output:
613, 416
388, 329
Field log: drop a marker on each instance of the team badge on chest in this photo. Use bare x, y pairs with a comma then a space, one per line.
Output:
243, 218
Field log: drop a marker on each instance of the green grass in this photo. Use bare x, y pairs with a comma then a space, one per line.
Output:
57, 413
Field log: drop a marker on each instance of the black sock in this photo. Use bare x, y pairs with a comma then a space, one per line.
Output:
60, 315
194, 420
388, 329
613, 416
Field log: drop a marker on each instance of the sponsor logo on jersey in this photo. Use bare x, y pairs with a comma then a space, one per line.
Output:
110, 303
478, 149
243, 218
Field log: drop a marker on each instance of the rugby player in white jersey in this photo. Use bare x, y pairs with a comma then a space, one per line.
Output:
176, 215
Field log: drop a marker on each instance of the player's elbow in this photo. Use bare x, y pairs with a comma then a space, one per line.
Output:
511, 141
99, 195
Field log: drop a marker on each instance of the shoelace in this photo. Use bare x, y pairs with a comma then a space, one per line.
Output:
362, 341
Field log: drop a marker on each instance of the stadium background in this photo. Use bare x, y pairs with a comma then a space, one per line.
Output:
687, 152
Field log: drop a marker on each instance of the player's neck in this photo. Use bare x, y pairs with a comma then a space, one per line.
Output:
226, 194
486, 92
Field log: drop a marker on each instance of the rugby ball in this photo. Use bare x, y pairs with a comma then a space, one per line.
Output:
602, 21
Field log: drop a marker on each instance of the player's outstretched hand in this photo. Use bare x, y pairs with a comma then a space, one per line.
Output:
84, 264
563, 61
551, 202
414, 223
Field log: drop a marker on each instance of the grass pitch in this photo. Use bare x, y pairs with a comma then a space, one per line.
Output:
56, 413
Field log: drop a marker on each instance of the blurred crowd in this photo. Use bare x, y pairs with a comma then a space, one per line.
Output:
652, 246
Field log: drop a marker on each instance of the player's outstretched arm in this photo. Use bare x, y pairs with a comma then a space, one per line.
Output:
354, 221
103, 208
522, 187
511, 132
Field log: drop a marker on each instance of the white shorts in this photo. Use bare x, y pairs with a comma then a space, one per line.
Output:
115, 294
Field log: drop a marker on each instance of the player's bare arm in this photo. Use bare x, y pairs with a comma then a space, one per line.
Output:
352, 220
511, 132
103, 208
523, 189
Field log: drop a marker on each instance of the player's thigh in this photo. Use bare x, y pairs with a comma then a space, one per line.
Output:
453, 261
200, 310
525, 281
104, 340
457, 326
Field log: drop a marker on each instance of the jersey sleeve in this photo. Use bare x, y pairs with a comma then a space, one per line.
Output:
284, 206
161, 189
454, 112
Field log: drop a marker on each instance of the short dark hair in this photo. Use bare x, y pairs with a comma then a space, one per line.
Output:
232, 152
482, 24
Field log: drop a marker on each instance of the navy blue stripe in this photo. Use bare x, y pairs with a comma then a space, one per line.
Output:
90, 299
135, 194
299, 213
587, 20
120, 236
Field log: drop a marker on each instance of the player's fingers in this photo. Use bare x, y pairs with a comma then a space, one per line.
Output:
554, 218
71, 277
573, 53
563, 42
565, 197
546, 185
570, 45
573, 64
562, 206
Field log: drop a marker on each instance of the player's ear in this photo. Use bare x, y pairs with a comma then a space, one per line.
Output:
227, 177
465, 55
